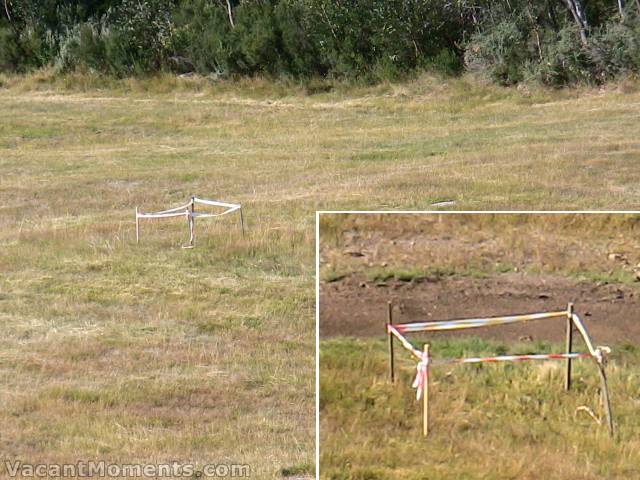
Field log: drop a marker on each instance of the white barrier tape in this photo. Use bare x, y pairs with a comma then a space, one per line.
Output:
215, 203
163, 215
513, 358
473, 322
187, 210
422, 372
205, 215
186, 213
583, 331
182, 207
422, 368
184, 210
405, 343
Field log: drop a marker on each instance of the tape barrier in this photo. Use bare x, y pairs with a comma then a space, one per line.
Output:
187, 210
216, 203
162, 215
422, 372
423, 366
473, 322
405, 343
206, 215
184, 210
514, 358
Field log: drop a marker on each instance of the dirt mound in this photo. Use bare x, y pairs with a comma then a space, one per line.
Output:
356, 307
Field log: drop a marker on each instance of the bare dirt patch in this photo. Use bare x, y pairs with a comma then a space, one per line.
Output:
354, 306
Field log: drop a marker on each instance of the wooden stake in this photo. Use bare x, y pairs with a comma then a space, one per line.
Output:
390, 322
605, 398
569, 346
425, 397
604, 390
192, 222
242, 222
137, 227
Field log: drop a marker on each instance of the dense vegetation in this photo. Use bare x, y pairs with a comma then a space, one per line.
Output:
556, 42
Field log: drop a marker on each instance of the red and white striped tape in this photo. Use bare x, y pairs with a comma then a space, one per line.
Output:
422, 373
423, 366
473, 322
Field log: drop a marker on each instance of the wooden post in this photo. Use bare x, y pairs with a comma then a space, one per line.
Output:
137, 226
425, 396
390, 322
604, 390
569, 346
192, 222
605, 398
242, 222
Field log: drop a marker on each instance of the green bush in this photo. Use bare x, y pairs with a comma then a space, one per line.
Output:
257, 39
10, 55
380, 39
301, 49
139, 36
362, 40
202, 38
565, 60
615, 49
500, 52
83, 47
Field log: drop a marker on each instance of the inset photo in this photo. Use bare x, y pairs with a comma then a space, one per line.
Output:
479, 345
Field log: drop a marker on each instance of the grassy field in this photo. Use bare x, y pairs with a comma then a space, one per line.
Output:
153, 353
384, 147
489, 421
593, 247
149, 353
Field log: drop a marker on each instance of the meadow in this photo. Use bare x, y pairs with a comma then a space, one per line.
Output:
150, 353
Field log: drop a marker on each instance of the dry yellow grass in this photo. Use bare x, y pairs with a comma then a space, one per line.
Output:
149, 352
491, 422
590, 246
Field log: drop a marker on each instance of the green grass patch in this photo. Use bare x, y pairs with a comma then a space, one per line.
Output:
519, 412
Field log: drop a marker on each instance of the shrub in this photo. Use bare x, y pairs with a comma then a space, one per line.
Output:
500, 52
363, 40
202, 38
83, 46
257, 39
138, 37
302, 51
376, 38
615, 49
10, 56
565, 60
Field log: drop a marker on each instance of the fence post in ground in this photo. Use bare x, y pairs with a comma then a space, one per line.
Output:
242, 222
137, 226
569, 346
390, 322
425, 395
192, 221
605, 397
604, 389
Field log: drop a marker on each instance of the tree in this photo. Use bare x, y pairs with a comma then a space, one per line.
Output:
577, 11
